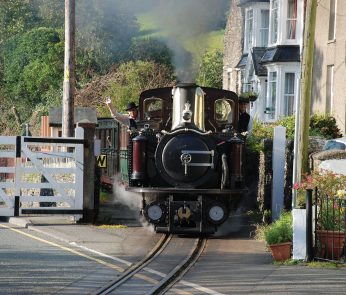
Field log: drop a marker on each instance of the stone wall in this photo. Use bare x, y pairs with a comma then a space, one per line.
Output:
317, 158
233, 44
264, 194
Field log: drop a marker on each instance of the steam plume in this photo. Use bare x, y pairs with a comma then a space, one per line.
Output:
182, 21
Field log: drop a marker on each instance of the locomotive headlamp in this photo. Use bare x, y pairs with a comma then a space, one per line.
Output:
155, 212
217, 214
187, 114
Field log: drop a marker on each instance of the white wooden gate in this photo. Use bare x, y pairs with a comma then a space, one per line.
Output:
41, 175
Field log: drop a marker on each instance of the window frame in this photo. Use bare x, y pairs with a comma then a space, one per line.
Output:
329, 89
291, 19
332, 20
273, 22
249, 24
264, 30
289, 98
270, 108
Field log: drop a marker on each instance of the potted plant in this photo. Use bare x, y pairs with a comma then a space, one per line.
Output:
248, 96
330, 205
330, 227
278, 237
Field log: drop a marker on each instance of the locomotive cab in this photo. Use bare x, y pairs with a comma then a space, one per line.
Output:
186, 165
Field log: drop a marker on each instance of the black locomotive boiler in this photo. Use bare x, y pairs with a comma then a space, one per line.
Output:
186, 160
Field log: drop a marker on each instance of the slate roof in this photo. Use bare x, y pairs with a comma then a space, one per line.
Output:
243, 61
80, 113
281, 53
257, 53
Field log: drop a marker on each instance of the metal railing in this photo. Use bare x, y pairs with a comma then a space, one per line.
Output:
330, 227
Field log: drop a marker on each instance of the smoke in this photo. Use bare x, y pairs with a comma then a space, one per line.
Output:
182, 24
121, 196
132, 200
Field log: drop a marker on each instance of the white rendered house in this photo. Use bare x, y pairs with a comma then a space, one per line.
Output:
270, 62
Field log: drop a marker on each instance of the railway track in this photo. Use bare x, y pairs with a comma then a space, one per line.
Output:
166, 264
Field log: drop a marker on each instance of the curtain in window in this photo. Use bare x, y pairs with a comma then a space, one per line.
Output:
291, 19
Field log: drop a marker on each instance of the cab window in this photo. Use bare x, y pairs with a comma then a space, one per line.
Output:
153, 109
223, 111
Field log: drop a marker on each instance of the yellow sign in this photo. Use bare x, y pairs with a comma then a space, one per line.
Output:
102, 161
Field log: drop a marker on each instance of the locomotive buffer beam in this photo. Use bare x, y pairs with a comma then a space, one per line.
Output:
180, 190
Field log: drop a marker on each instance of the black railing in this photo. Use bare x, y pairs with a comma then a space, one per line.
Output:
330, 228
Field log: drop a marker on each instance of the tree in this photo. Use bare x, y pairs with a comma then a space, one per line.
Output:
50, 13
210, 70
151, 49
16, 16
104, 34
33, 67
124, 84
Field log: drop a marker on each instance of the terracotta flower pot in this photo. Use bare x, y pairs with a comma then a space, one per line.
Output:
281, 251
332, 243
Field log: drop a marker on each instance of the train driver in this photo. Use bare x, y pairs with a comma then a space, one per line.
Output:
130, 120
245, 120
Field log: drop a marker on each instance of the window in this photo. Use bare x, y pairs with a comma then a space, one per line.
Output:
289, 94
329, 90
223, 110
331, 31
229, 79
264, 28
271, 98
274, 22
153, 108
291, 19
248, 29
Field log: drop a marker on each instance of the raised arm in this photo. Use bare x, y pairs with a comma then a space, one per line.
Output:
123, 119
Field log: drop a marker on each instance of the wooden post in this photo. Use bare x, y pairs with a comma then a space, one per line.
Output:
69, 70
302, 128
89, 210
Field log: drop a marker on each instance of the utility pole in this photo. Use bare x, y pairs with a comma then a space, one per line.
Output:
302, 128
69, 70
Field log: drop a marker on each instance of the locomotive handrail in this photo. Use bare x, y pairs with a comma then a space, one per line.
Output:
185, 130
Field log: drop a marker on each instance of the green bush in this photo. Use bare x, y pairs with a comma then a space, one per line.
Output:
320, 125
280, 231
324, 126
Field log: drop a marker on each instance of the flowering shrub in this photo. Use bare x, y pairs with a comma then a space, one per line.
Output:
328, 183
331, 189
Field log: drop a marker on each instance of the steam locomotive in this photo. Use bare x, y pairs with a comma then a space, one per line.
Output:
185, 158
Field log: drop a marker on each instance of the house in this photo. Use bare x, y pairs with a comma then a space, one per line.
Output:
329, 72
269, 33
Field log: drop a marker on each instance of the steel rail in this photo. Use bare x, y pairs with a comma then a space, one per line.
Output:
135, 268
180, 270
